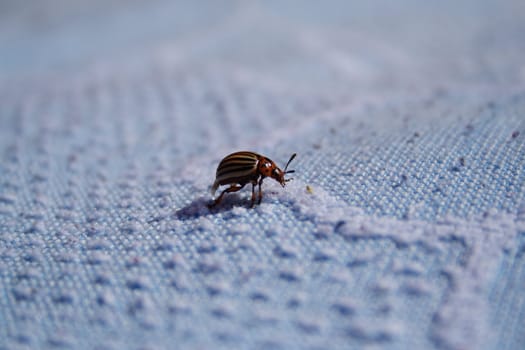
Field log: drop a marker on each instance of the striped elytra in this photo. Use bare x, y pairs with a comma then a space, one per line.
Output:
236, 165
241, 168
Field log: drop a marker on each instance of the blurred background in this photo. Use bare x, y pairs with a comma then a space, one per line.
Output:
361, 45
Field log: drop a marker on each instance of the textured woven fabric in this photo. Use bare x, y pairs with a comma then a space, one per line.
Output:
404, 225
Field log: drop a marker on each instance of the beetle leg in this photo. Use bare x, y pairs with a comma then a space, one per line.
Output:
260, 190
253, 194
232, 188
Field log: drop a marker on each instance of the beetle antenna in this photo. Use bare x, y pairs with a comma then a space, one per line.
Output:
286, 167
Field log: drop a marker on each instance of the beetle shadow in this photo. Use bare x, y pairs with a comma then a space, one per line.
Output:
199, 207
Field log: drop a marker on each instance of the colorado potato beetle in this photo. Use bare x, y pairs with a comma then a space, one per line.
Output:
241, 168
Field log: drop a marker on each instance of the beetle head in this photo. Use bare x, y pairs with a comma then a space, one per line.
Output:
267, 168
279, 174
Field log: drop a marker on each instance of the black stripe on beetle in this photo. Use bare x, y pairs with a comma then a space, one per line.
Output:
241, 168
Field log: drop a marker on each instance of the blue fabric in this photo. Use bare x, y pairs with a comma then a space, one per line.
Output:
404, 225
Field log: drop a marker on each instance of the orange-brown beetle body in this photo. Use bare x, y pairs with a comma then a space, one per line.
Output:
241, 168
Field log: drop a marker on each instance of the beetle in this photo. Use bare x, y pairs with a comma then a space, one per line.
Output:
241, 168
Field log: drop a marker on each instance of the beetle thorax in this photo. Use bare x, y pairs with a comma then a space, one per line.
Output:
266, 167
